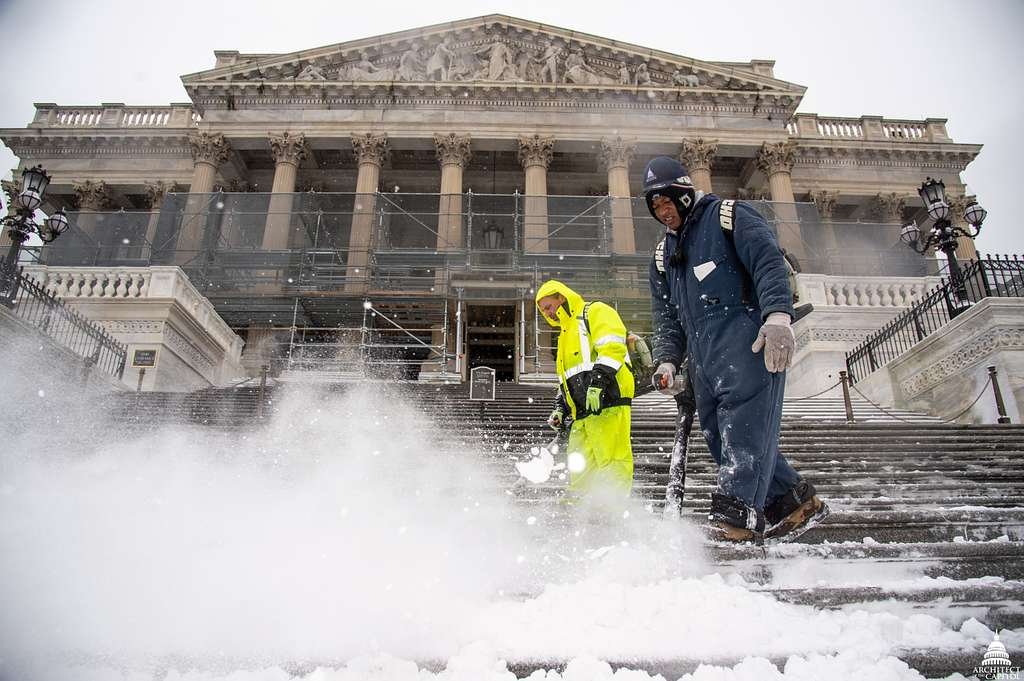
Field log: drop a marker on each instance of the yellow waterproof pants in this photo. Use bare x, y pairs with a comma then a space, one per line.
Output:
603, 440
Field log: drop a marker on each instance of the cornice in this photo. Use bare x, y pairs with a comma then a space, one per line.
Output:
514, 96
945, 156
87, 143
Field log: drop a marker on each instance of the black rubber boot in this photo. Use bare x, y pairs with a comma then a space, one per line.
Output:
731, 520
795, 512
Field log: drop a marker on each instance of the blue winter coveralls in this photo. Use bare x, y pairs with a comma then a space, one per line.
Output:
721, 286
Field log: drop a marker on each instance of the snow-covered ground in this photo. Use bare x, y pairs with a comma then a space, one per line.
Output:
340, 544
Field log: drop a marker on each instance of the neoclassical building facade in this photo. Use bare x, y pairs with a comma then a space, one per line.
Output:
392, 202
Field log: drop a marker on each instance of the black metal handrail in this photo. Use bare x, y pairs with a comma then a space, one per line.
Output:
983, 278
33, 305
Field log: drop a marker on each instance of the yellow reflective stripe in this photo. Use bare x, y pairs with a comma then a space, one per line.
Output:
610, 338
569, 373
584, 341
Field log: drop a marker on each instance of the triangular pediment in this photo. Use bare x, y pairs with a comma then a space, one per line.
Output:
494, 49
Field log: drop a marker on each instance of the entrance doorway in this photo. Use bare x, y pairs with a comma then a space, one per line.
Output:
491, 339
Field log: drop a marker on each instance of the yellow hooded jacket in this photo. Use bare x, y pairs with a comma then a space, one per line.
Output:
580, 349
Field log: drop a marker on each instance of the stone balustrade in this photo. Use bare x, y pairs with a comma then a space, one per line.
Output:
867, 128
101, 284
830, 291
115, 116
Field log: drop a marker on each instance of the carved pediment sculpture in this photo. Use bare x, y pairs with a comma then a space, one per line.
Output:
494, 49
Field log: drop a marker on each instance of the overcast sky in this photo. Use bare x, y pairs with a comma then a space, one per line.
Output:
898, 59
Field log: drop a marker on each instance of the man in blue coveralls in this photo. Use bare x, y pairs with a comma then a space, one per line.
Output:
730, 307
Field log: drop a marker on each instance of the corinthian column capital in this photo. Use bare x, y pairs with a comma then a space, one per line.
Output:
616, 152
889, 207
698, 154
776, 158
370, 148
452, 149
92, 195
13, 190
536, 151
825, 201
288, 147
156, 191
209, 147
957, 205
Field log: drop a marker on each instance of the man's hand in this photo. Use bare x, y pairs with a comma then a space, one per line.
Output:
776, 337
664, 378
556, 419
594, 399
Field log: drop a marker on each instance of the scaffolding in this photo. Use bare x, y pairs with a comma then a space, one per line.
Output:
379, 284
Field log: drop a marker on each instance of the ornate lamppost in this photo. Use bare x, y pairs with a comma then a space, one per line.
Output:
22, 223
943, 234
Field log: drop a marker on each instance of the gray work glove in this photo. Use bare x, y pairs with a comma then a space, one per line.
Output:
556, 419
776, 337
664, 379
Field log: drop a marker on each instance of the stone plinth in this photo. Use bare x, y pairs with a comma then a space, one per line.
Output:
846, 311
153, 308
946, 371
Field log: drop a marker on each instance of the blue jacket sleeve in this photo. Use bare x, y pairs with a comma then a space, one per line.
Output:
668, 342
759, 252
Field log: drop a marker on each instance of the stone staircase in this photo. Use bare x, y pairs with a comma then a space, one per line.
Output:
908, 493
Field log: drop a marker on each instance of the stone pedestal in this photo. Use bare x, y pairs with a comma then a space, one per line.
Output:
944, 373
153, 308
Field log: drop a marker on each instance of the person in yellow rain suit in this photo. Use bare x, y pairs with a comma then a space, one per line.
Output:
596, 389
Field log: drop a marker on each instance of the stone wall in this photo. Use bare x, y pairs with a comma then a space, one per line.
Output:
946, 371
153, 308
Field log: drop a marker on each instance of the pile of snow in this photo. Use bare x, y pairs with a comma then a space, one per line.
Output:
339, 544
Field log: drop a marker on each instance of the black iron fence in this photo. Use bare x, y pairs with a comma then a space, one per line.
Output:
983, 278
37, 307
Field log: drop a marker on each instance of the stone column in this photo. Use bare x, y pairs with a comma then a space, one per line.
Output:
371, 150
453, 154
698, 156
11, 188
93, 197
155, 192
825, 201
288, 150
209, 151
965, 249
535, 155
776, 162
259, 347
616, 154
